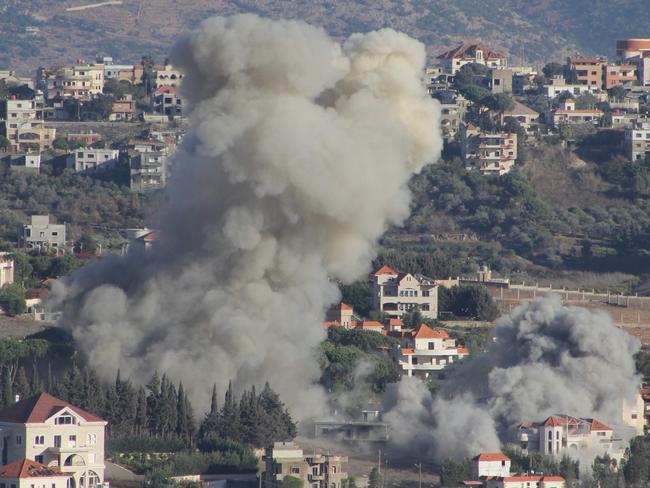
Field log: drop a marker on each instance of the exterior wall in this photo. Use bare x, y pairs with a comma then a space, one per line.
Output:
24, 126
633, 414
589, 71
492, 468
501, 81
36, 482
41, 233
620, 75
488, 153
92, 159
6, 269
148, 171
168, 76
637, 142
80, 81
316, 471
628, 48
398, 297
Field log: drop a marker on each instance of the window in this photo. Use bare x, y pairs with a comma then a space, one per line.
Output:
91, 439
39, 440
57, 441
431, 345
19, 439
634, 416
295, 470
64, 420
72, 438
425, 293
38, 459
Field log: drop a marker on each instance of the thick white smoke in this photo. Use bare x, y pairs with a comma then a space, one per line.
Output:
298, 158
545, 359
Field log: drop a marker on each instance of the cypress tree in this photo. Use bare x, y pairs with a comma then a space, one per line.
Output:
211, 422
7, 388
23, 387
229, 419
49, 387
182, 430
141, 412
37, 386
191, 423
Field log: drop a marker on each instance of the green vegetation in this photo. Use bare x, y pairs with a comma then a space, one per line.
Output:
467, 301
12, 299
452, 473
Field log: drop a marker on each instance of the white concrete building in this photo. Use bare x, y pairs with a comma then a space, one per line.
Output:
567, 113
30, 474
526, 481
56, 434
6, 269
492, 470
637, 141
557, 86
428, 351
491, 464
89, 160
41, 233
396, 293
453, 60
559, 433
24, 126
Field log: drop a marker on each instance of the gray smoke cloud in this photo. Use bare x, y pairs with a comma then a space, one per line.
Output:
545, 359
298, 159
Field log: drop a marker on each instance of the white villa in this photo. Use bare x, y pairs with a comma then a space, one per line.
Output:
427, 351
397, 293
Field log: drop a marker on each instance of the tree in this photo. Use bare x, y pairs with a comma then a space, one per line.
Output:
553, 69
452, 472
12, 299
86, 243
60, 144
617, 92
413, 318
229, 416
500, 102
23, 388
4, 143
358, 295
586, 100
291, 482
375, 479
99, 108
636, 464
7, 388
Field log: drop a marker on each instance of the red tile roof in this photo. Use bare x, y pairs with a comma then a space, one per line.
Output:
553, 421
39, 408
597, 425
395, 322
406, 351
462, 350
344, 306
426, 332
492, 456
468, 50
26, 468
370, 324
385, 270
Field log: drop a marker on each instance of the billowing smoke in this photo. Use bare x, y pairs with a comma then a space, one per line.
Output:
545, 359
298, 158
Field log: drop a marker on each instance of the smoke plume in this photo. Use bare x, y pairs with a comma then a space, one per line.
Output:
297, 160
545, 359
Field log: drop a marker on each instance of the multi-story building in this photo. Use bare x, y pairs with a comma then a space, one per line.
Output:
560, 433
637, 141
490, 153
81, 81
588, 71
123, 109
167, 75
396, 293
42, 234
148, 171
453, 107
89, 160
11, 78
558, 86
451, 61
30, 474
167, 101
57, 434
619, 75
24, 126
427, 351
526, 116
315, 470
492, 470
6, 269
500, 80
491, 464
23, 163
629, 48
567, 113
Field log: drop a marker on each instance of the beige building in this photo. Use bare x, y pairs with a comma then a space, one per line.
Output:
489, 153
24, 126
167, 75
148, 171
637, 141
88, 160
30, 474
6, 269
429, 351
81, 81
567, 113
40, 233
492, 470
521, 113
56, 434
396, 293
315, 470
451, 61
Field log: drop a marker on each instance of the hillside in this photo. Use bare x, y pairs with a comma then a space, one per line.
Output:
537, 29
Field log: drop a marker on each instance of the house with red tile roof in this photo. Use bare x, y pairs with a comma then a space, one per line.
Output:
525, 481
56, 434
428, 351
396, 293
30, 474
560, 433
341, 315
491, 464
453, 60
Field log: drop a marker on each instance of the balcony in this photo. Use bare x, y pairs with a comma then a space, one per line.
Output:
316, 477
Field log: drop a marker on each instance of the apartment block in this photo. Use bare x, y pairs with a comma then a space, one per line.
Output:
453, 60
148, 171
637, 141
286, 459
558, 86
40, 233
588, 71
488, 153
619, 75
55, 434
80, 81
167, 75
396, 293
90, 160
24, 126
567, 113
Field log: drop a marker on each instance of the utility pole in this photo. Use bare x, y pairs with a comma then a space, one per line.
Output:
419, 466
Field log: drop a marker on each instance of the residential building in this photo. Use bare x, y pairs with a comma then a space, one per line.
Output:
341, 315
629, 48
80, 81
634, 414
453, 107
619, 75
559, 433
57, 434
167, 75
451, 61
24, 126
315, 470
637, 141
488, 464
42, 234
500, 80
521, 113
89, 160
642, 64
6, 269
427, 351
123, 109
558, 86
490, 153
567, 113
30, 474
396, 293
148, 171
114, 71
23, 163
142, 240
12, 79
167, 101
526, 481
588, 71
